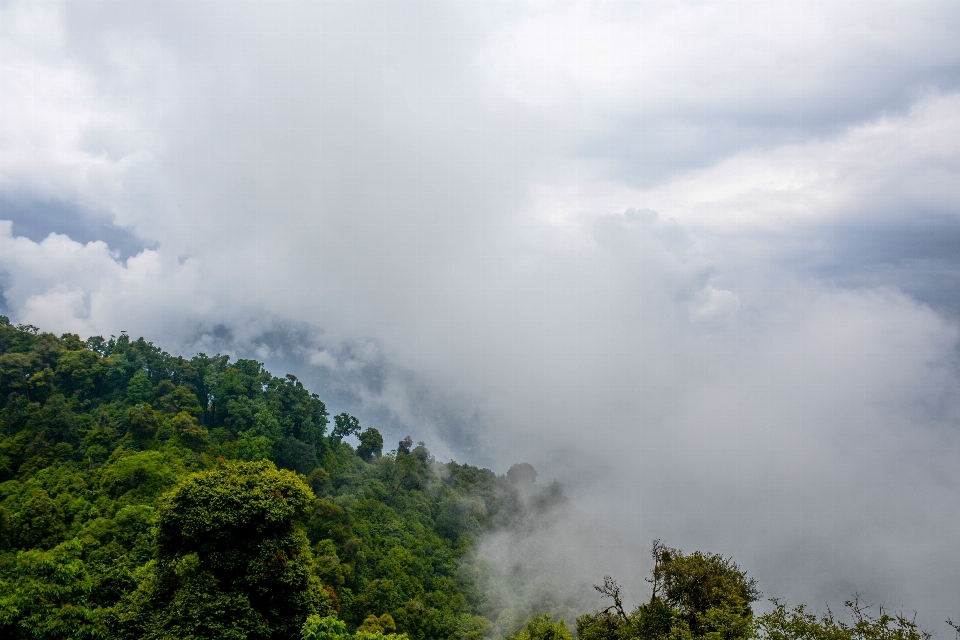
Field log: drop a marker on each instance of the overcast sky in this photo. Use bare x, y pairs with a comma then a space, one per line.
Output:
698, 261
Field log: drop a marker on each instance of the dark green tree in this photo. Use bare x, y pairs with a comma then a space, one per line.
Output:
522, 473
371, 444
231, 560
344, 425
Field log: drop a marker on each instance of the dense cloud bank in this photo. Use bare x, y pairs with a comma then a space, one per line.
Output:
693, 260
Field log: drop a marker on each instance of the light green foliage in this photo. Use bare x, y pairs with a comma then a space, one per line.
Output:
45, 594
330, 628
251, 447
139, 389
379, 635
187, 432
324, 628
799, 624
544, 628
210, 508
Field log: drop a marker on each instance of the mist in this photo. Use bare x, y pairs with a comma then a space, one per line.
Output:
695, 261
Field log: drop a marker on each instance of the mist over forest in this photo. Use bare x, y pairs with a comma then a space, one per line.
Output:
694, 263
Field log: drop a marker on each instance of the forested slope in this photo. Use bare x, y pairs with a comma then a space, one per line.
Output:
97, 435
144, 495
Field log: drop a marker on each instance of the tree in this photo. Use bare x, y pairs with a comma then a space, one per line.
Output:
522, 473
324, 628
693, 596
543, 628
711, 592
296, 455
345, 425
383, 624
371, 444
231, 560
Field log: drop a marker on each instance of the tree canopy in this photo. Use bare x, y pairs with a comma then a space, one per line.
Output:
231, 558
144, 494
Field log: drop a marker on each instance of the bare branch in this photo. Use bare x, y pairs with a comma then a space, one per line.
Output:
660, 553
955, 625
611, 589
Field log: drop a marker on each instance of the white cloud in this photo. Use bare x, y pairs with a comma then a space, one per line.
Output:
62, 285
653, 87
64, 134
893, 168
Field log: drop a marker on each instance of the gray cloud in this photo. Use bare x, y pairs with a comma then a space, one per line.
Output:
655, 89
36, 220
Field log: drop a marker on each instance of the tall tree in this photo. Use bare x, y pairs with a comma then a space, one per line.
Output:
231, 560
371, 444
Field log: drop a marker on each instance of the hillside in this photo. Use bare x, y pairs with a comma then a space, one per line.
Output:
94, 433
144, 495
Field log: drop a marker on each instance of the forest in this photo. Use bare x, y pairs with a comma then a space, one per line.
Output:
146, 495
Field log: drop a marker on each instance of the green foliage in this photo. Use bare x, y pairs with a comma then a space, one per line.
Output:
694, 595
371, 444
372, 624
229, 553
45, 594
147, 495
378, 635
324, 628
346, 425
712, 594
139, 475
329, 628
251, 447
39, 521
799, 624
701, 595
543, 628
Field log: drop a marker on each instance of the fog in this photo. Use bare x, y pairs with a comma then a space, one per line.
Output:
696, 261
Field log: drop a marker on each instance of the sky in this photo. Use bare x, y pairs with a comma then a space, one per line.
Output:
698, 261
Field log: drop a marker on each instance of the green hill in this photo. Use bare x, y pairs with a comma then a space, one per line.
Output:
97, 435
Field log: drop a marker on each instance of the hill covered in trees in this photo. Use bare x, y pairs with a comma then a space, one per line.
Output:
100, 441
145, 495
